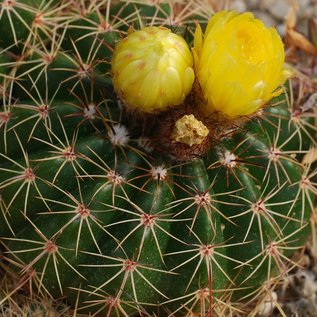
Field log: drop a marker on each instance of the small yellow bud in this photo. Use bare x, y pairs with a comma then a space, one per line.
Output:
239, 64
152, 69
189, 130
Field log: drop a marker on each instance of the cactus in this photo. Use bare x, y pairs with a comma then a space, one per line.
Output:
98, 207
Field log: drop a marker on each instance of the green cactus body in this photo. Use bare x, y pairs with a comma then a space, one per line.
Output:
92, 214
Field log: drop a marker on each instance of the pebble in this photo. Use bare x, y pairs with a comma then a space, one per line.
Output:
305, 8
306, 281
238, 5
253, 4
265, 17
267, 306
278, 8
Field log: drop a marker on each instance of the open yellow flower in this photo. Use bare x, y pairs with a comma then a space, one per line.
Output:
239, 64
152, 69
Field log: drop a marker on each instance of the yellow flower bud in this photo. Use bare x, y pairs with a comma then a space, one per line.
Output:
152, 69
239, 64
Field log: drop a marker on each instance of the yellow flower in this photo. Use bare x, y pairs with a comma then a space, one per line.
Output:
152, 69
239, 64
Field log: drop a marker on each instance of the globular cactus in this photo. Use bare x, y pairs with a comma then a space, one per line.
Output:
132, 198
